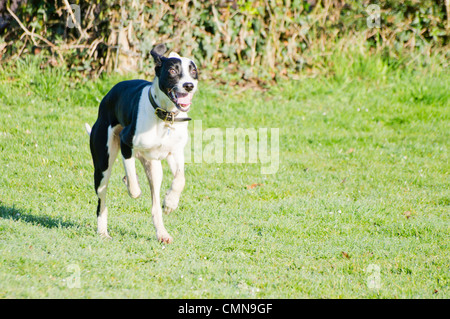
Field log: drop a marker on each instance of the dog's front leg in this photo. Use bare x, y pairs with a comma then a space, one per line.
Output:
153, 169
130, 178
176, 164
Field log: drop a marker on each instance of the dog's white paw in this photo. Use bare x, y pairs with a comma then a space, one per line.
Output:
164, 237
134, 192
167, 209
170, 203
104, 235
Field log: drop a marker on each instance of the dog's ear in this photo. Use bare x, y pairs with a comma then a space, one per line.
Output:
157, 53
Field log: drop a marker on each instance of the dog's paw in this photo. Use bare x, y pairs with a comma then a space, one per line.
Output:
164, 237
167, 209
105, 235
170, 203
134, 192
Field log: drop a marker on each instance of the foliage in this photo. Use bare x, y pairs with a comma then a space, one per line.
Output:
261, 39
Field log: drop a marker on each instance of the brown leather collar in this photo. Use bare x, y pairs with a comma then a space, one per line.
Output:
166, 116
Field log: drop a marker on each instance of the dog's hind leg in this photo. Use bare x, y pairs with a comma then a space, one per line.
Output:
104, 149
154, 172
176, 164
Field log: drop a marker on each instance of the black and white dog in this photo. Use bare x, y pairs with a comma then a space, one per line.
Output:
147, 121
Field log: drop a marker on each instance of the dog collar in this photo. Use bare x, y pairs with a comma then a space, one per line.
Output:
166, 116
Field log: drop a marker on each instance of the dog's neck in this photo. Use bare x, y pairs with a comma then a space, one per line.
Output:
161, 99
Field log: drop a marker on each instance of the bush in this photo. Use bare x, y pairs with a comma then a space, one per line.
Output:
249, 39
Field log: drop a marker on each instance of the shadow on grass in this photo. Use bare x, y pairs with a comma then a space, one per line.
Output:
18, 214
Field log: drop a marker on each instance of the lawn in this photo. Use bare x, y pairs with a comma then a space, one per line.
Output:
357, 208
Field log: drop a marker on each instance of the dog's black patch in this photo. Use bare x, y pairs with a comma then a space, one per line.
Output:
171, 73
98, 205
99, 150
193, 70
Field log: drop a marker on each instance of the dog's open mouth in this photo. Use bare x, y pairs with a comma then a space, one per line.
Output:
182, 100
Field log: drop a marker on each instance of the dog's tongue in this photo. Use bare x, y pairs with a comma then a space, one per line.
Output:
184, 99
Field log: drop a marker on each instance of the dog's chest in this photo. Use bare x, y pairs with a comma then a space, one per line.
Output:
160, 140
154, 139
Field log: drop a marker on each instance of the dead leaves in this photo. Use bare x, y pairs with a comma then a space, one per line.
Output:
409, 214
254, 185
345, 255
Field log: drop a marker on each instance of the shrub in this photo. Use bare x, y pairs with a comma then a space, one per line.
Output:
249, 39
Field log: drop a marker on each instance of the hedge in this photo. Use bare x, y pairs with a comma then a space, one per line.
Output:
251, 38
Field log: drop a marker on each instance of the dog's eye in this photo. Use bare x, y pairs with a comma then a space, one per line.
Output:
172, 71
194, 72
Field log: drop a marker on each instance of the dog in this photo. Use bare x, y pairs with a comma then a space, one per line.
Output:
147, 121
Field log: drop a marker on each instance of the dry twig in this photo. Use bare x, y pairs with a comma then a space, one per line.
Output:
33, 35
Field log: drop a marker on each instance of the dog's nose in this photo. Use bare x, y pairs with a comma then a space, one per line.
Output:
188, 86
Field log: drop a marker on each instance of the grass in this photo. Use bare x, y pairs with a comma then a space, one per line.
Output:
363, 182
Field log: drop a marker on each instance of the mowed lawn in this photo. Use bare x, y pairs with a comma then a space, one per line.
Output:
358, 207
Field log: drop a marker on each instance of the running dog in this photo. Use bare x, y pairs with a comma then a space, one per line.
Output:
147, 121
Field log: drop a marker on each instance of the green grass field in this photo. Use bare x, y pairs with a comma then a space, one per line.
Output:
359, 206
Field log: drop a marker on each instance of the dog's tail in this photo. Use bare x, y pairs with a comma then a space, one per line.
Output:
88, 128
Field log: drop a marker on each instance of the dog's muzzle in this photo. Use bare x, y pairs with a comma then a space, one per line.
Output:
181, 100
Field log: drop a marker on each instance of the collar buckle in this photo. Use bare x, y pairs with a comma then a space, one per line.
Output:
168, 117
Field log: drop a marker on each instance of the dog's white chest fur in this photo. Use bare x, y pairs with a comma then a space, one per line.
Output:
156, 139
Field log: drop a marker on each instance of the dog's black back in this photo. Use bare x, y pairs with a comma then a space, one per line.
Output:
120, 105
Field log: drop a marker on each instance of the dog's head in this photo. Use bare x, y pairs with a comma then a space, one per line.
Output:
177, 77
